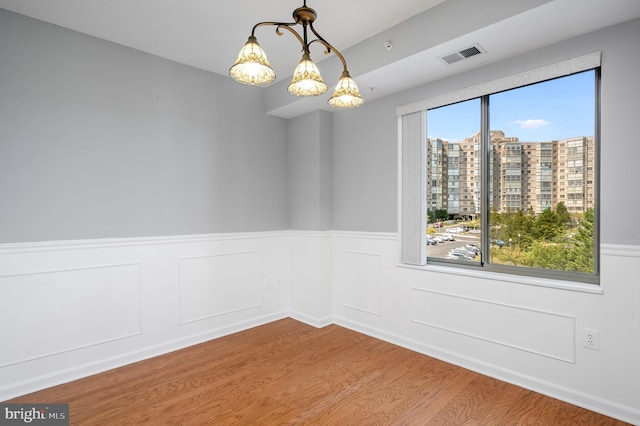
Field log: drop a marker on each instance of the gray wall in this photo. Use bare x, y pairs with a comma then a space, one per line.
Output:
309, 157
365, 180
365, 140
98, 140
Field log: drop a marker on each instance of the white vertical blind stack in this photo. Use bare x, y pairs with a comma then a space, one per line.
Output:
413, 187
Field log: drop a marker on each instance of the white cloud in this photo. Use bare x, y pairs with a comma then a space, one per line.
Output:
531, 124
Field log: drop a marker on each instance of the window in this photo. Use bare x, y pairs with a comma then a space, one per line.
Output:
501, 229
527, 147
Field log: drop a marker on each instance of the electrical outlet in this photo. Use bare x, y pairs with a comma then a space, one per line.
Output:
591, 339
268, 285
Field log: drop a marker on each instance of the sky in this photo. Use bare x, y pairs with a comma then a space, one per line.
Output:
555, 109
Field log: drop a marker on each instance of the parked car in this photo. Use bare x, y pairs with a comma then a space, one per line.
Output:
499, 243
448, 237
438, 239
464, 251
473, 247
431, 242
456, 230
460, 255
457, 256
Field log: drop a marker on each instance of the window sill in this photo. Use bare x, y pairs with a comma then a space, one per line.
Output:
510, 278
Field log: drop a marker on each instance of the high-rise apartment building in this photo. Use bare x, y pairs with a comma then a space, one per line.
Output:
437, 177
573, 181
542, 177
524, 175
507, 153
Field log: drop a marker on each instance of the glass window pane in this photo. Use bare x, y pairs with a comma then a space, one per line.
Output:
454, 182
542, 182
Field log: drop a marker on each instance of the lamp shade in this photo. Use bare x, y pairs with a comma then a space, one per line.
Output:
307, 80
346, 94
252, 66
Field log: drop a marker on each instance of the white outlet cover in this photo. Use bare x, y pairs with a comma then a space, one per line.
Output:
590, 339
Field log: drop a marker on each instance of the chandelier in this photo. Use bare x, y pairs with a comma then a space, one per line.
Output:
252, 67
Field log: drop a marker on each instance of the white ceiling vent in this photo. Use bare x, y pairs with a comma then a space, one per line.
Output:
465, 53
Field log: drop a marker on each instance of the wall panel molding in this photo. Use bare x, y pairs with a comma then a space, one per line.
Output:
531, 330
382, 236
620, 250
38, 246
363, 282
218, 284
57, 311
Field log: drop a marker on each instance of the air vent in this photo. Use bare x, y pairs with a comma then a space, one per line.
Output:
463, 54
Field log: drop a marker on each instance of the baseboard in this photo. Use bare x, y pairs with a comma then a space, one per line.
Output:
313, 321
608, 408
81, 371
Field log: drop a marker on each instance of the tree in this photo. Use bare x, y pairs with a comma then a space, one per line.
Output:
548, 226
581, 257
437, 215
563, 253
545, 255
519, 228
495, 218
442, 214
563, 214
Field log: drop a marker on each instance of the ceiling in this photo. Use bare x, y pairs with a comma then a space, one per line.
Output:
208, 34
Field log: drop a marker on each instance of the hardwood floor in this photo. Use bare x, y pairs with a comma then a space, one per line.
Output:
287, 372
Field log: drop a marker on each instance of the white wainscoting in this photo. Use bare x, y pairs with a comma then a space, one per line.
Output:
504, 327
311, 289
95, 305
217, 285
449, 312
362, 288
75, 308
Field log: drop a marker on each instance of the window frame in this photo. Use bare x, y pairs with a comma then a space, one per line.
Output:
483, 92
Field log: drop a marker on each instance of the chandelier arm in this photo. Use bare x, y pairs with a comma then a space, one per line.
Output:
320, 38
329, 47
278, 25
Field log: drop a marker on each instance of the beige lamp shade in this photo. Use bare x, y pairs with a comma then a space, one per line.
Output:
252, 66
307, 80
346, 93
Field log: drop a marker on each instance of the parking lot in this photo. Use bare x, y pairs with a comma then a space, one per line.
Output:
441, 249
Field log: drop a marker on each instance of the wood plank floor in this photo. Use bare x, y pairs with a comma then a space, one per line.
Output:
287, 372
